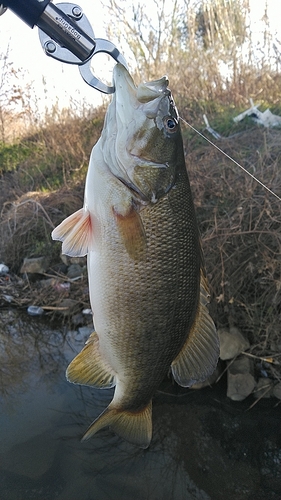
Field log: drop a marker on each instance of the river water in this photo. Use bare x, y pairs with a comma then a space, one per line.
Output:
204, 445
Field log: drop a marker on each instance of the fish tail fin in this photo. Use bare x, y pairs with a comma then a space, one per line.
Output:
135, 427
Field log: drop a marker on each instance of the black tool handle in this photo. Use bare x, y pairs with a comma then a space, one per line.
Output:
28, 10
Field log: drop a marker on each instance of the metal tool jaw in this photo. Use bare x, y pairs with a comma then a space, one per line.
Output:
2, 9
66, 35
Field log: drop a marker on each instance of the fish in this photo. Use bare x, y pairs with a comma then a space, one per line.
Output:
147, 281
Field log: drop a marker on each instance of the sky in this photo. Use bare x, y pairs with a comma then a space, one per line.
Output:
63, 81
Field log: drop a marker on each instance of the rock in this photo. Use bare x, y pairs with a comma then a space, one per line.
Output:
3, 269
48, 282
240, 386
70, 306
74, 271
60, 268
277, 390
8, 298
56, 284
242, 364
73, 260
77, 319
263, 388
87, 312
232, 343
35, 311
275, 346
240, 381
85, 331
65, 259
63, 287
36, 265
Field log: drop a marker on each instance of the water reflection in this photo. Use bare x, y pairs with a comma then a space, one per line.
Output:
204, 446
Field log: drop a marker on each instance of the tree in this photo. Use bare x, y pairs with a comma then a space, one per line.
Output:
199, 44
14, 98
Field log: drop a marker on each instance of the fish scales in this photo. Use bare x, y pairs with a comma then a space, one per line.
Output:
147, 282
157, 294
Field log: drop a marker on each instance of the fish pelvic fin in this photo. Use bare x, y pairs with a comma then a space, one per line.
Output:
134, 427
132, 232
199, 356
88, 367
76, 233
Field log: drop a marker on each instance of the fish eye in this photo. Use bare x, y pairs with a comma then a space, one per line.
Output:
170, 124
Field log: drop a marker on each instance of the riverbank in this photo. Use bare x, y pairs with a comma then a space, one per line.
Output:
238, 219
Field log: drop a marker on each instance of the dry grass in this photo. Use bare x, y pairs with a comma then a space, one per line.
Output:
27, 222
240, 227
42, 181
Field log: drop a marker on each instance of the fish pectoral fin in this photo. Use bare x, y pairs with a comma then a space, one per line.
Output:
132, 232
199, 356
88, 368
134, 427
76, 233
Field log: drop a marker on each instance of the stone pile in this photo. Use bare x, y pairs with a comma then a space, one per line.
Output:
247, 374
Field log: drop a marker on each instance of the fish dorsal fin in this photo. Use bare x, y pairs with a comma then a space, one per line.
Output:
76, 233
135, 427
199, 356
132, 232
88, 368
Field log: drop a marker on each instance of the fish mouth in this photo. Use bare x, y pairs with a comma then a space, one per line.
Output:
134, 115
126, 92
123, 81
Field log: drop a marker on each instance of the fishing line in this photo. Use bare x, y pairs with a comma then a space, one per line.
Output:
232, 159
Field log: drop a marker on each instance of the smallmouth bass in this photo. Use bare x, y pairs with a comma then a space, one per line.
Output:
148, 288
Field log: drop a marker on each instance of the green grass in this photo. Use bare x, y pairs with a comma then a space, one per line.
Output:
13, 155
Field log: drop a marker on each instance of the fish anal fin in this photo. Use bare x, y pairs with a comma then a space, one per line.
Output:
134, 427
198, 358
88, 368
76, 233
132, 232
